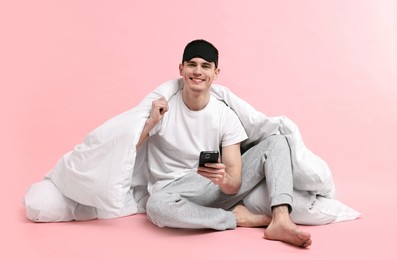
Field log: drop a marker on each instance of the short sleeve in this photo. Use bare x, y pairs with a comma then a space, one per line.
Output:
233, 131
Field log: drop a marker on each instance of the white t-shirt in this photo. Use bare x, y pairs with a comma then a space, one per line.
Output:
176, 142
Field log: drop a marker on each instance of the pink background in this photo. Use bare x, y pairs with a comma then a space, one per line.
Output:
330, 66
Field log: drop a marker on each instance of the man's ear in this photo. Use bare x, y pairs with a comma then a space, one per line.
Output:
217, 71
180, 69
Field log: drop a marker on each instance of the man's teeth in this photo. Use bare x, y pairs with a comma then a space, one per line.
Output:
197, 80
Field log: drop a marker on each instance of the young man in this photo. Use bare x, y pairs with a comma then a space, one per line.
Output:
183, 195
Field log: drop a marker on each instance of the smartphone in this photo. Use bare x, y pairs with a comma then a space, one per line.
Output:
208, 157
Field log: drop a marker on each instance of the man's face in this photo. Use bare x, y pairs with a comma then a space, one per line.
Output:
198, 74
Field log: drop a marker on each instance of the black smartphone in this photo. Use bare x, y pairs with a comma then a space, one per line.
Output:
208, 157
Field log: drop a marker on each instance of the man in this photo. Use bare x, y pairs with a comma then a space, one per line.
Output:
84, 182
184, 196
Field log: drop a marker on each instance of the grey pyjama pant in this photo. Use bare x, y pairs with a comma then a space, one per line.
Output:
195, 202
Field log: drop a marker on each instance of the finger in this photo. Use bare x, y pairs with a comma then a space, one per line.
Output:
164, 108
214, 165
163, 105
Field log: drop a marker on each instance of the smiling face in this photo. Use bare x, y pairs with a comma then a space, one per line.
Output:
198, 74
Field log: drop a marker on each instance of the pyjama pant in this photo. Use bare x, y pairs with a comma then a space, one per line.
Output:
195, 202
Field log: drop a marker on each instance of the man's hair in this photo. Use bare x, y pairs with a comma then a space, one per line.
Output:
202, 49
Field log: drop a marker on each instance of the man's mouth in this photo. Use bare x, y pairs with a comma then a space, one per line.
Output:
196, 80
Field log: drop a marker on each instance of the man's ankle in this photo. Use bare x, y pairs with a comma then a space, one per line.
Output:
280, 211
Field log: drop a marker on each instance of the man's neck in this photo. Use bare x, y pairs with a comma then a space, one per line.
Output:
196, 101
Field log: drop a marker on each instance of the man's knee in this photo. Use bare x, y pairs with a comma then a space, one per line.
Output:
276, 140
159, 207
45, 203
154, 208
274, 145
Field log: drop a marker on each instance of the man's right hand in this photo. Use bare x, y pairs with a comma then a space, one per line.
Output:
159, 108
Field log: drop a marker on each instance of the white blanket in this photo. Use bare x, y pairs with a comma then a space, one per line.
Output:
106, 167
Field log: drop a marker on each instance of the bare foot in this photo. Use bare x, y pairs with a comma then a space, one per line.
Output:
245, 218
288, 232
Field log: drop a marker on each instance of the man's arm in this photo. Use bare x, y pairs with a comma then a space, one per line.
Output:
159, 107
228, 173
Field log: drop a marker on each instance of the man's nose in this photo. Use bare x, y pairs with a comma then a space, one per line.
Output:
197, 70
